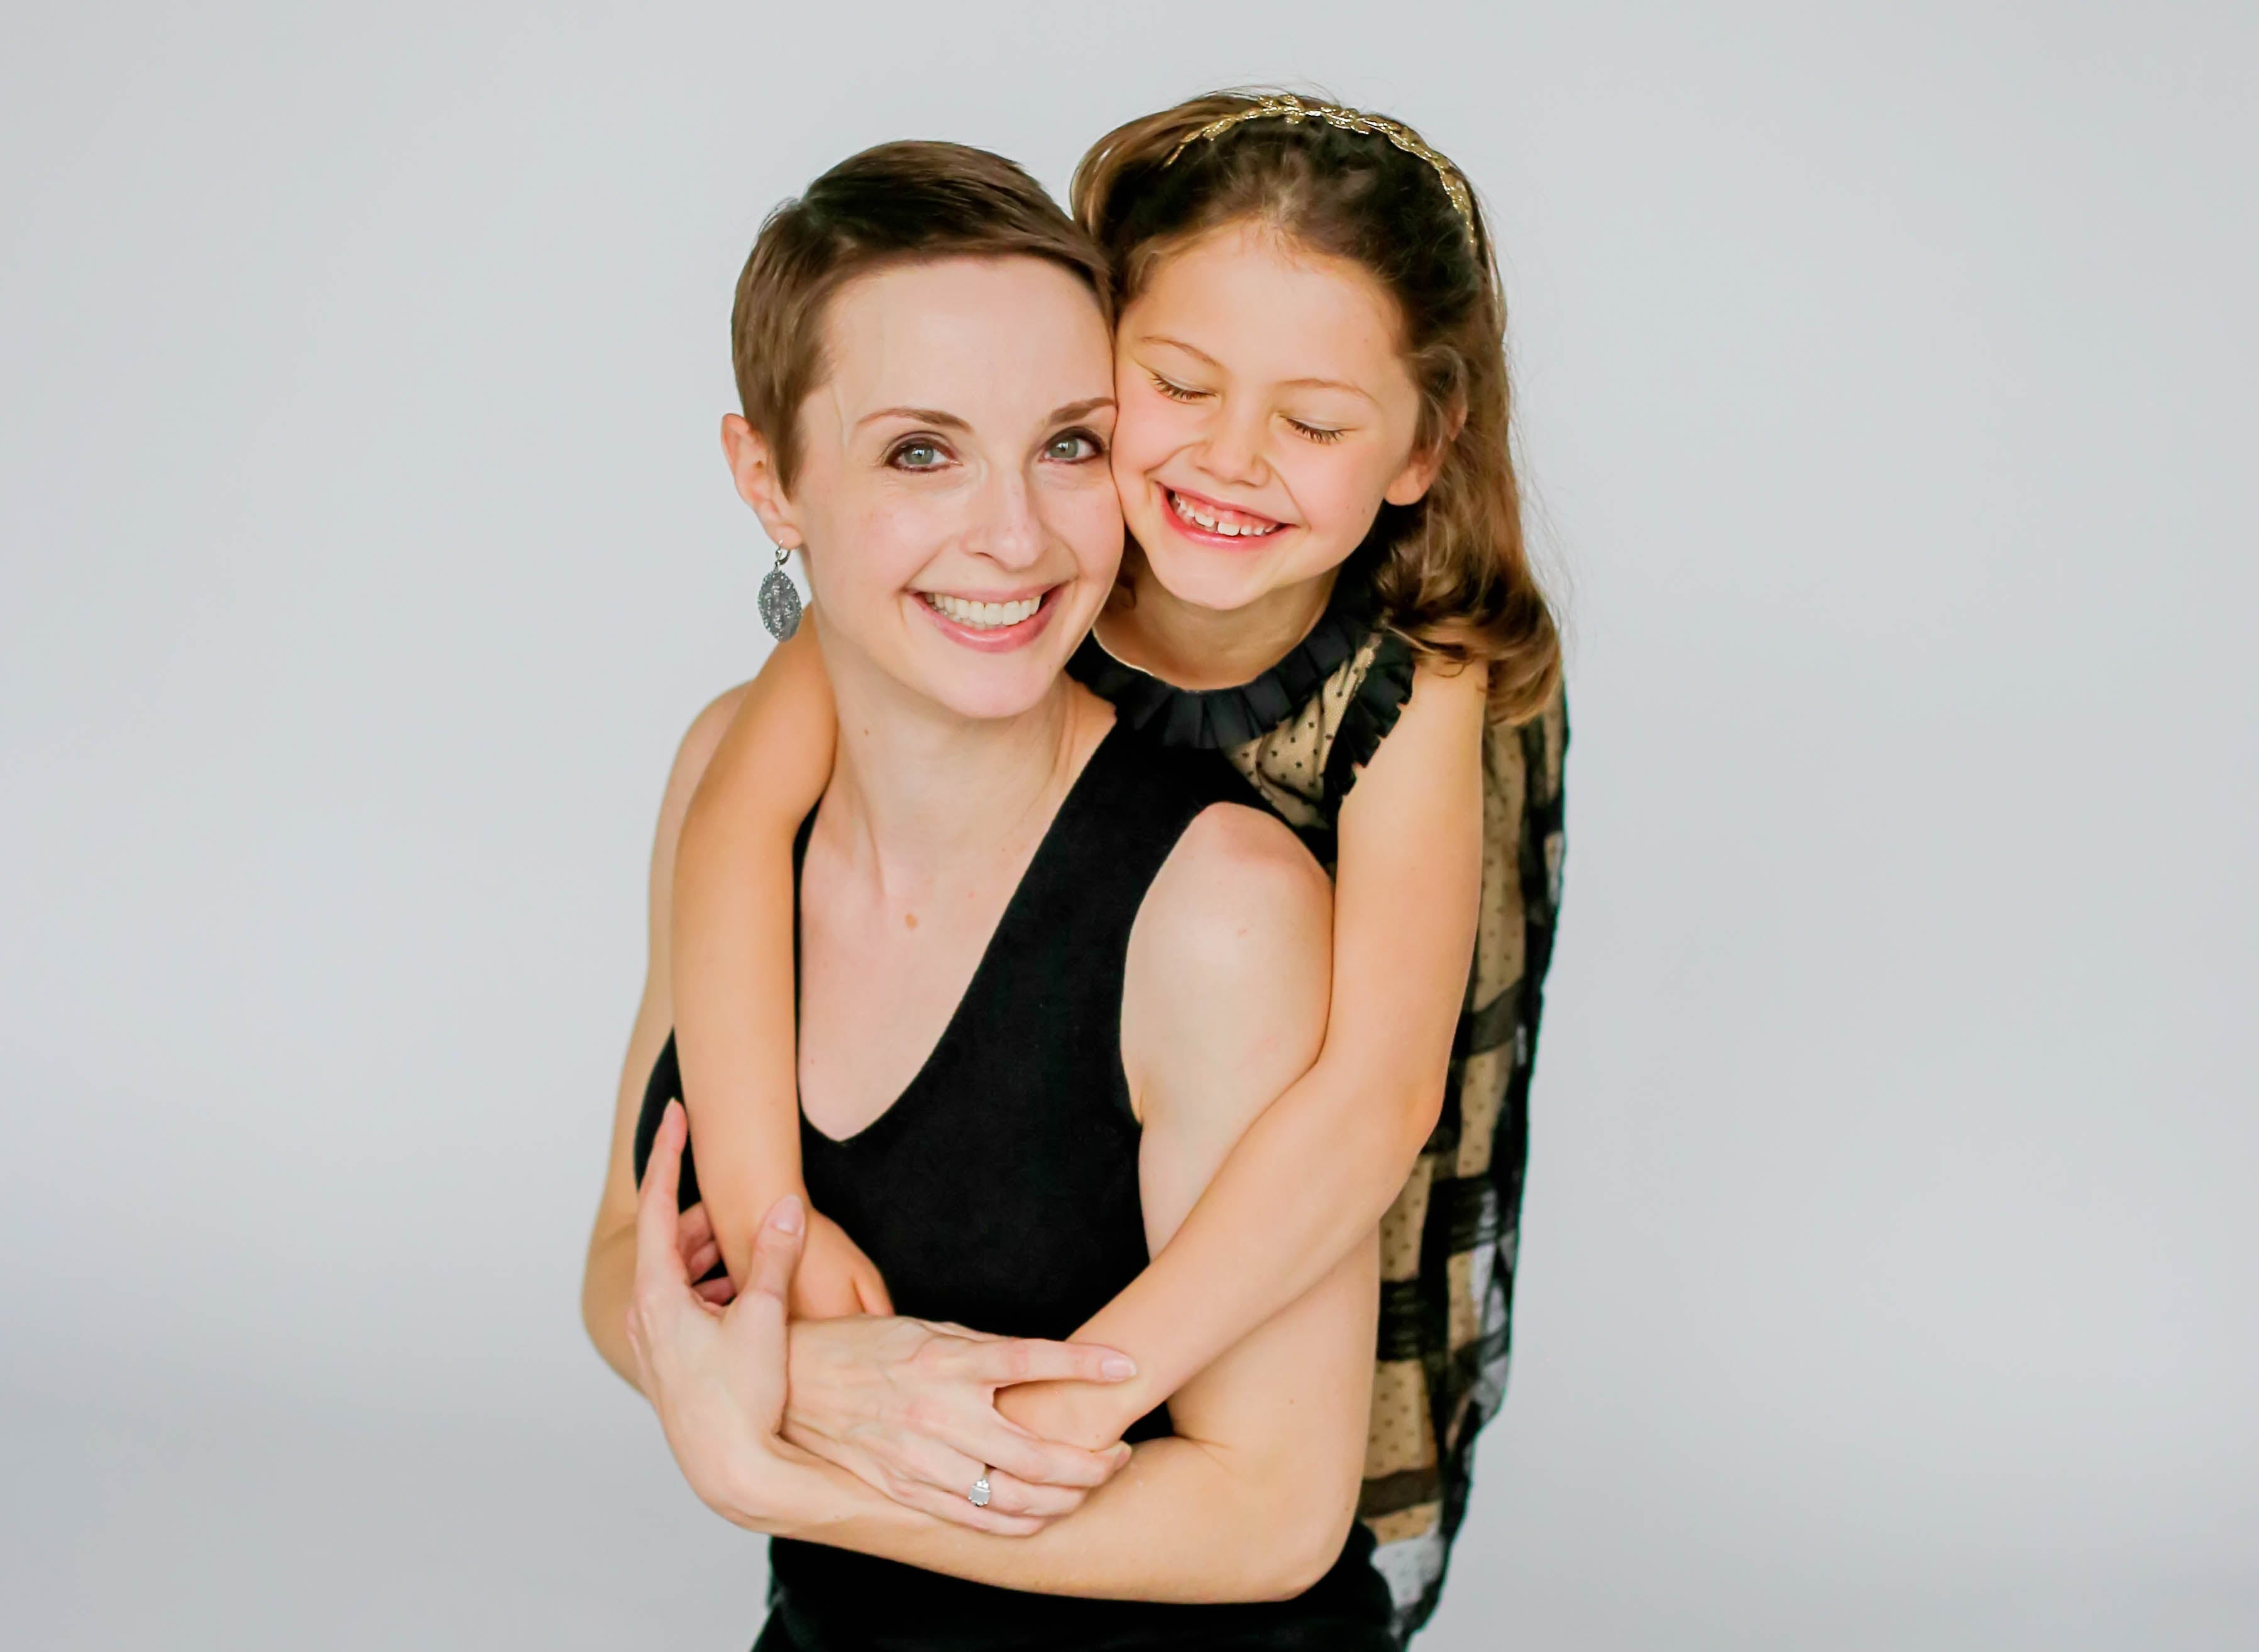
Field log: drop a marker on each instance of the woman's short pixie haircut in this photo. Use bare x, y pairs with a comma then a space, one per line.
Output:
898, 204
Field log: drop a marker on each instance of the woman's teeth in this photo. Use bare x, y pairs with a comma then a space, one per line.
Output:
1230, 523
983, 616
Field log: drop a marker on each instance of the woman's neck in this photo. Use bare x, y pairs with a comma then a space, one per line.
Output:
919, 793
1197, 647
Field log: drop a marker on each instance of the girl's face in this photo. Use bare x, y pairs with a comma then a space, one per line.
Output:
952, 492
1265, 412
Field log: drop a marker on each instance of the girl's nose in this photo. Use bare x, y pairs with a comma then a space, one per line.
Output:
1233, 451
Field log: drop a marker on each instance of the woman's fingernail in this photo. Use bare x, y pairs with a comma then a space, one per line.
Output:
1115, 1367
790, 1216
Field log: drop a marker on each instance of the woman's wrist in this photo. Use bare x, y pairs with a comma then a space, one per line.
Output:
779, 1490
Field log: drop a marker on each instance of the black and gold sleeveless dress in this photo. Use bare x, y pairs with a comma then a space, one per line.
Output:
1299, 732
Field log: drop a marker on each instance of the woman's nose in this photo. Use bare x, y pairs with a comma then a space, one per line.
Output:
1009, 532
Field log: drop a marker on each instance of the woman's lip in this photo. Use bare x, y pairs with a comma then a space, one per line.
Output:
1200, 535
997, 639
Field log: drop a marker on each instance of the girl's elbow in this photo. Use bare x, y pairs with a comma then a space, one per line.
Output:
1304, 1539
1306, 1554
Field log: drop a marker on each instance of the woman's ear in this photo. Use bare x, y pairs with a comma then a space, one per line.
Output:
1411, 484
752, 464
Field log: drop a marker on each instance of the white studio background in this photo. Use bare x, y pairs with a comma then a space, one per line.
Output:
1887, 392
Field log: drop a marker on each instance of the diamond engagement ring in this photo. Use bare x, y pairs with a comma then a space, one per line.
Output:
979, 1495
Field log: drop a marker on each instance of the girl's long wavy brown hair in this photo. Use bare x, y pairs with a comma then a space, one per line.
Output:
1454, 576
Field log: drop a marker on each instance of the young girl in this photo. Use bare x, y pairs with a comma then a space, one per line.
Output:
1327, 582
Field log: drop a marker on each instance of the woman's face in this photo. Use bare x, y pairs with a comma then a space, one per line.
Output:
1266, 413
961, 526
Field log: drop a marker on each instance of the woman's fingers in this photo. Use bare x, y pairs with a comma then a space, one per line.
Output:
1015, 1495
1006, 1361
958, 1510
776, 1251
661, 1284
658, 1260
1035, 1460
719, 1291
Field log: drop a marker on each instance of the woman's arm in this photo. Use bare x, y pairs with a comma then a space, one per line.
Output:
1251, 1499
1345, 1135
731, 962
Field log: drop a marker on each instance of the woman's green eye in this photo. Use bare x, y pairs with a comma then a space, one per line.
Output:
918, 455
1073, 445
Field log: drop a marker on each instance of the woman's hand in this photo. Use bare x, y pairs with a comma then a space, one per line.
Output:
909, 1408
715, 1375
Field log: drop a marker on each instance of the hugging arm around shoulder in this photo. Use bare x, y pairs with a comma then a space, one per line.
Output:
731, 956
1251, 1499
1345, 1134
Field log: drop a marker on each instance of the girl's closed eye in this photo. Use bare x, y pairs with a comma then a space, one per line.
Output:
1317, 432
1174, 391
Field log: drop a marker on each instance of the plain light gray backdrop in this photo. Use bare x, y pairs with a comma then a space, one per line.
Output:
1887, 381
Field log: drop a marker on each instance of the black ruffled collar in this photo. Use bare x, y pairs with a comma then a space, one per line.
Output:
1219, 719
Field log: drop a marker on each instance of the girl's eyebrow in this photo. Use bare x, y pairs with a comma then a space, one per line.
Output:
1292, 384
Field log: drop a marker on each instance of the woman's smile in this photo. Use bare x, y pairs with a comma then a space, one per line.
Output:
993, 625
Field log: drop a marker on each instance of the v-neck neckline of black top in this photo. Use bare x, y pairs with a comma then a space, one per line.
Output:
1049, 847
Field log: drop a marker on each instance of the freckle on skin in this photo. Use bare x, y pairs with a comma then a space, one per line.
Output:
909, 920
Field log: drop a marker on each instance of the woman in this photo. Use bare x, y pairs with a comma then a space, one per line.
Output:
1048, 978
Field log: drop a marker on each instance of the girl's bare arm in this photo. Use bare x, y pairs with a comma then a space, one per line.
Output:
731, 969
610, 1272
1346, 1135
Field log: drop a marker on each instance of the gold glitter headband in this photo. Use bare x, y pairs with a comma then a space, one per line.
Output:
1287, 107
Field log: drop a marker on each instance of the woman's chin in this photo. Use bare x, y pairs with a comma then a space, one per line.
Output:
990, 688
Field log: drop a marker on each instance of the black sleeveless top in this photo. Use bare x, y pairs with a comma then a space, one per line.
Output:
999, 1191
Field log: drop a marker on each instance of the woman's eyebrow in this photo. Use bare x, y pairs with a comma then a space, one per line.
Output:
1077, 409
918, 414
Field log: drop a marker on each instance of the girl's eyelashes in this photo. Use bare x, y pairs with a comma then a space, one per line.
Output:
1077, 446
918, 452
1176, 392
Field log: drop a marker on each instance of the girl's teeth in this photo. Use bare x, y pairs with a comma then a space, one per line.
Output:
984, 616
1198, 518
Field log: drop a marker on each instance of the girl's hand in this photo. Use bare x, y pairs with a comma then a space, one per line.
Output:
909, 1408
694, 1243
836, 1280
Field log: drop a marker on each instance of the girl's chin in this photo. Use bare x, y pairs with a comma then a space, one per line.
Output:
1221, 580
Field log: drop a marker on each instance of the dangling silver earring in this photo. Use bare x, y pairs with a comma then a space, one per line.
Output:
780, 603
